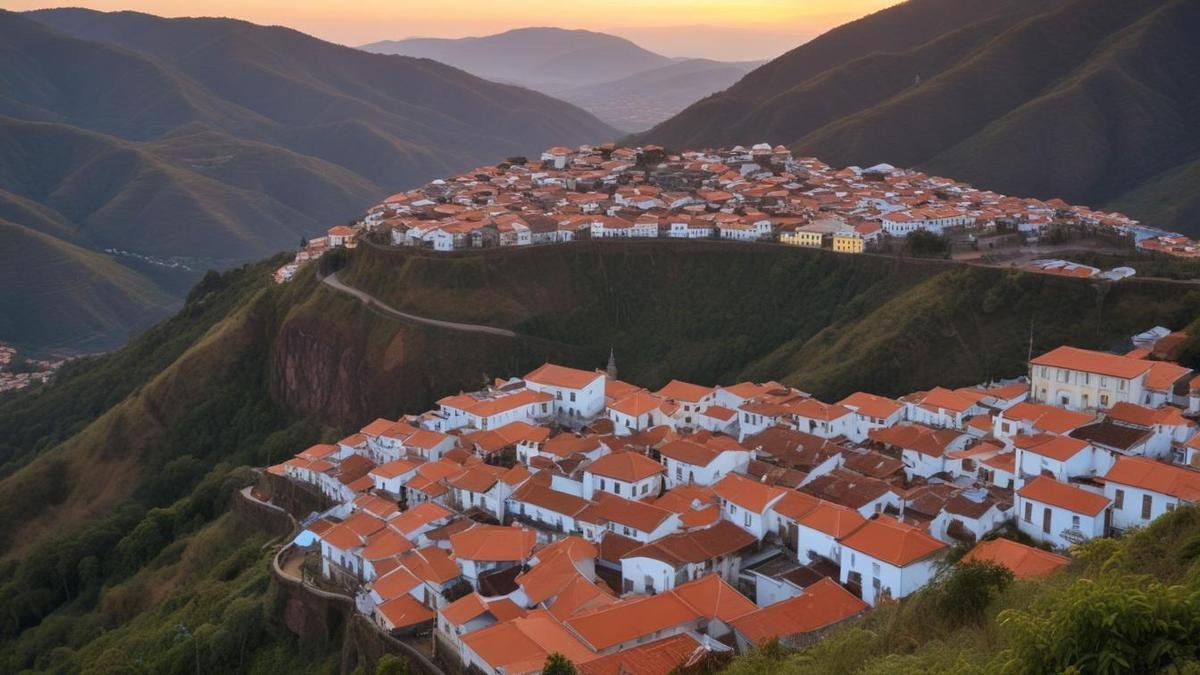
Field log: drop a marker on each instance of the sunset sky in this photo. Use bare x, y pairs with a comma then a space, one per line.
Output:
726, 29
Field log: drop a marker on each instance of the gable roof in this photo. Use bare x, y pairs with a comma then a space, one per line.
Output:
553, 375
1025, 562
832, 519
660, 657
1148, 474
820, 605
631, 618
522, 644
1086, 360
626, 466
750, 495
887, 539
684, 391
493, 543
723, 538
1049, 491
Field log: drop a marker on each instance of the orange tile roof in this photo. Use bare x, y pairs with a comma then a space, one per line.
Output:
548, 578
822, 604
660, 657
636, 514
395, 583
1148, 474
548, 498
630, 619
386, 543
418, 516
696, 546
493, 543
748, 494
637, 403
404, 611
1049, 491
626, 466
1048, 418
1164, 374
870, 405
1025, 562
887, 539
1059, 448
713, 598
795, 505
684, 391
431, 564
552, 375
522, 644
1090, 361
394, 468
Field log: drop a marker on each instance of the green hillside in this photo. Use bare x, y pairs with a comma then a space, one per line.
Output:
115, 480
171, 146
1094, 102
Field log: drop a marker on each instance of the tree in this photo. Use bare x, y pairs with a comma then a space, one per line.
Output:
926, 244
557, 664
390, 664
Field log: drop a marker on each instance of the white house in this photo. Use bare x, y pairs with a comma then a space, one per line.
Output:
1143, 489
888, 558
678, 558
688, 462
871, 412
1060, 514
625, 474
578, 394
1059, 457
747, 503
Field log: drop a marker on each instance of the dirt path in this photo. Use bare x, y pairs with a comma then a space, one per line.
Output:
337, 284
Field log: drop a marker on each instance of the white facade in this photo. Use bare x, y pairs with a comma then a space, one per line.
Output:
1055, 525
882, 579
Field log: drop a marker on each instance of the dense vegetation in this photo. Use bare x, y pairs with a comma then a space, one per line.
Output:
136, 152
117, 477
1103, 113
1128, 605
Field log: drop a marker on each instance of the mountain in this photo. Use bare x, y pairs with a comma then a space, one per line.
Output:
640, 100
540, 58
1090, 101
623, 84
116, 480
163, 147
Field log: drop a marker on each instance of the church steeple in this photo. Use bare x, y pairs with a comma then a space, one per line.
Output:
612, 365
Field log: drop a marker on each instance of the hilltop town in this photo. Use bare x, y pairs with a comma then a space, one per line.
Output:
642, 531
761, 193
17, 373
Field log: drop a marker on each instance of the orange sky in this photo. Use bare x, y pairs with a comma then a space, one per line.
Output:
719, 28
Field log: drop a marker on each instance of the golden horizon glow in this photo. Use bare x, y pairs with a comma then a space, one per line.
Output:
780, 23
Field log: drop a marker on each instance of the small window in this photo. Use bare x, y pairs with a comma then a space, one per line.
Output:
1074, 522
747, 519
1119, 500
1147, 504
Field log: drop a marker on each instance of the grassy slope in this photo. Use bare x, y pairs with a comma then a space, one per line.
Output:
111, 471
58, 294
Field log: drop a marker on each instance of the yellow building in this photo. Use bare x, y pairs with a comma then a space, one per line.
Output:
848, 242
800, 237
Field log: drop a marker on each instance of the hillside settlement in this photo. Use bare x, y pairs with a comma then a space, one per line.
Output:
761, 193
643, 531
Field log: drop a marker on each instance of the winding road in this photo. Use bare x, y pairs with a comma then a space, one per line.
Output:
369, 300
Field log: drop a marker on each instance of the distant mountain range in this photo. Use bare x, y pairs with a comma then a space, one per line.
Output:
1093, 101
137, 151
625, 85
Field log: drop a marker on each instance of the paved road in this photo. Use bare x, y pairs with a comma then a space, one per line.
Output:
337, 284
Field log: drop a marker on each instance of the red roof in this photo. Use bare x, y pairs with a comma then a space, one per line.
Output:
404, 611
552, 375
493, 543
684, 391
660, 657
1090, 361
626, 466
1049, 491
1025, 562
822, 604
887, 539
1148, 474
748, 494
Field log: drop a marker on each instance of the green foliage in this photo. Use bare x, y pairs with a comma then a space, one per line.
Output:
390, 664
1115, 624
557, 664
926, 244
968, 591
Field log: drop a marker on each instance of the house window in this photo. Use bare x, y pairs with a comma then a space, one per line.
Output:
1046, 520
1119, 501
572, 397
616, 487
1104, 400
875, 568
602, 486
747, 519
1147, 502
1074, 522
645, 488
